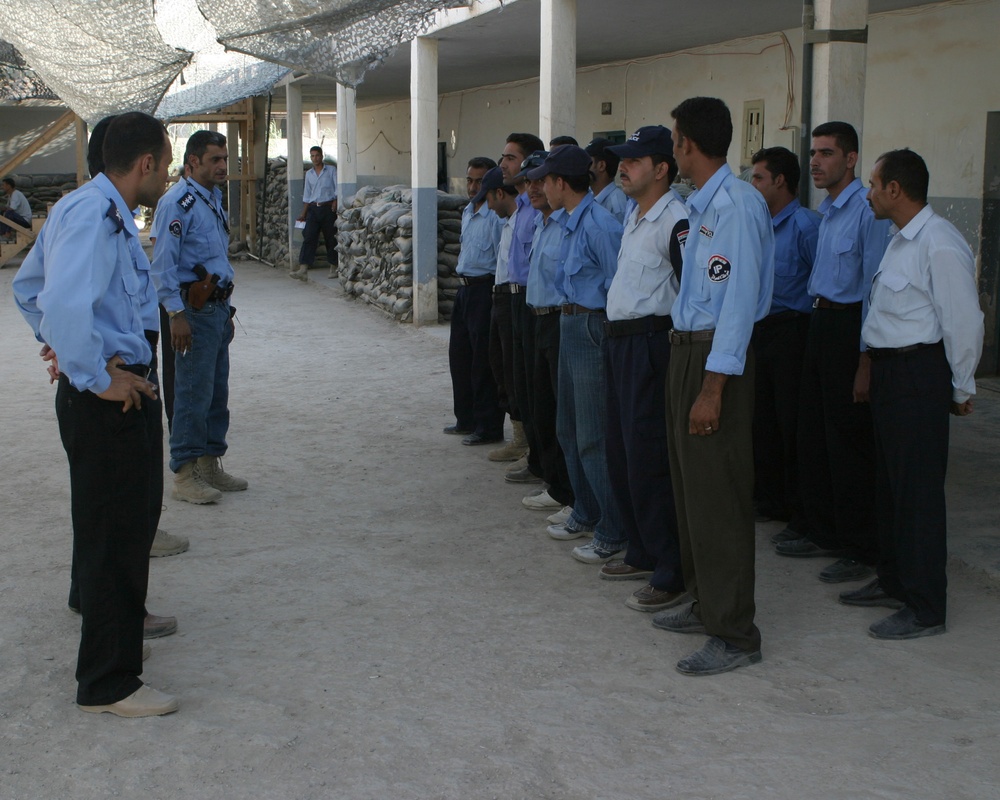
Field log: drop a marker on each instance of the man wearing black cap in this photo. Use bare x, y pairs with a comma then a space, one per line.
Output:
725, 287
637, 359
474, 391
589, 258
603, 168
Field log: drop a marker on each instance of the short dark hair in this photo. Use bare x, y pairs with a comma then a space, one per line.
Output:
506, 188
844, 134
780, 161
598, 149
577, 183
129, 137
528, 143
706, 121
313, 149
559, 141
10, 182
200, 141
95, 147
663, 158
481, 162
908, 170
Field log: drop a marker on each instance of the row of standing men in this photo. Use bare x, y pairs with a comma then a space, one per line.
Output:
656, 354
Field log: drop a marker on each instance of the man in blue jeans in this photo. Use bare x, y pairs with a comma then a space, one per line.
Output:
194, 281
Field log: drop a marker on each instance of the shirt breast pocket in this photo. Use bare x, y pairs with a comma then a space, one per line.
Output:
899, 296
649, 270
843, 251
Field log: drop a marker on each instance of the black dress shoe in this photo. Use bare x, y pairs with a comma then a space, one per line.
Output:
903, 625
482, 438
871, 594
456, 430
846, 569
801, 548
785, 535
716, 657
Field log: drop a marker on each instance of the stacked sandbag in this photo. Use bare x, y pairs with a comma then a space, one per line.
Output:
273, 224
44, 190
375, 239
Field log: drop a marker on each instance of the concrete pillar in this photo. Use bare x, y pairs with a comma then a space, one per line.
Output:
839, 66
347, 140
557, 70
295, 173
423, 172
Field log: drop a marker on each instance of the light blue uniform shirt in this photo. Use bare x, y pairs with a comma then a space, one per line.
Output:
614, 200
81, 288
545, 250
728, 270
851, 244
321, 188
480, 242
520, 246
190, 228
796, 231
589, 257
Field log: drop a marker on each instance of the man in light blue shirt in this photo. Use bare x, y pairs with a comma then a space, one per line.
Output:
473, 389
779, 341
194, 281
603, 169
81, 291
18, 208
836, 439
319, 213
725, 288
588, 261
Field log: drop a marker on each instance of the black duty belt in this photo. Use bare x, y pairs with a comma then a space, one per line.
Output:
689, 337
570, 309
541, 311
501, 288
516, 288
822, 302
324, 203
876, 353
218, 293
630, 327
477, 280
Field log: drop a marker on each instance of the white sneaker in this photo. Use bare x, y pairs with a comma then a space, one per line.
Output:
560, 516
591, 553
563, 533
540, 502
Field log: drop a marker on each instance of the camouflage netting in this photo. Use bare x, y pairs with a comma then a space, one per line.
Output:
174, 57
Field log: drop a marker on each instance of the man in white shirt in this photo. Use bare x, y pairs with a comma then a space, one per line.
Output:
924, 332
319, 213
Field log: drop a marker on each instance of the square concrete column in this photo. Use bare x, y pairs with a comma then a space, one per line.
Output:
557, 70
423, 172
347, 137
839, 66
294, 174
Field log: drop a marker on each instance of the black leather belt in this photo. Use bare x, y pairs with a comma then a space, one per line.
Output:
516, 288
689, 337
630, 327
570, 309
774, 319
478, 279
325, 202
541, 311
822, 302
875, 353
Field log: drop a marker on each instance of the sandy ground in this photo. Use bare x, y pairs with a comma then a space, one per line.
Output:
378, 617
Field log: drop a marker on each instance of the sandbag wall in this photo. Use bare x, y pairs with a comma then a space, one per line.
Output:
273, 227
375, 240
43, 190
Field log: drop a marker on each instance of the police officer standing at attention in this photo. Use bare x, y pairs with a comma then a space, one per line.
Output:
725, 287
194, 281
924, 332
319, 213
81, 291
603, 168
836, 444
779, 341
474, 390
637, 357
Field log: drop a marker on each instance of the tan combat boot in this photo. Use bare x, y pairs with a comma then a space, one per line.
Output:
512, 451
190, 487
211, 471
301, 272
166, 544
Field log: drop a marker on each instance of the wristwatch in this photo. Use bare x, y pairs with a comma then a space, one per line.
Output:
172, 314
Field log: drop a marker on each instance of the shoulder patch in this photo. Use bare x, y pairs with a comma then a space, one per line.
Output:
705, 231
116, 218
718, 269
175, 228
186, 201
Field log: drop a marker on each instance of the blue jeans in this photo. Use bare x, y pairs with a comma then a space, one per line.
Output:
201, 387
580, 426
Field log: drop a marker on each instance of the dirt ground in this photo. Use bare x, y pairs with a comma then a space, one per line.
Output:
378, 617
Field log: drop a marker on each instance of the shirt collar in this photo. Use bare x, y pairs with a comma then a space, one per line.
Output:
605, 191
849, 191
573, 218
786, 212
700, 199
109, 190
913, 227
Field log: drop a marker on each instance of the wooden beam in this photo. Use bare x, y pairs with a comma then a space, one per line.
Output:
46, 136
82, 169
